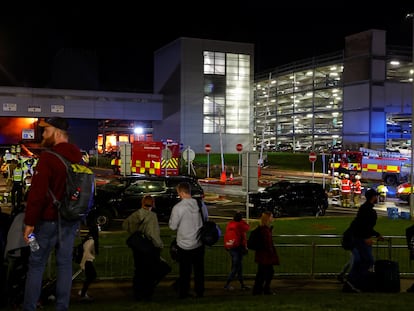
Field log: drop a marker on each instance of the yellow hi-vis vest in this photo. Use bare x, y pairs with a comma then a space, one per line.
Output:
17, 174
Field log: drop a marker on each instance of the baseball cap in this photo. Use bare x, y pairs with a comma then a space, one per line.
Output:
57, 122
370, 193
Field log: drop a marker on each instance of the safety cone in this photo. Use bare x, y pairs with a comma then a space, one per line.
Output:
223, 177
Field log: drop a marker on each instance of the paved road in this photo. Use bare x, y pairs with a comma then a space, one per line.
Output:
232, 196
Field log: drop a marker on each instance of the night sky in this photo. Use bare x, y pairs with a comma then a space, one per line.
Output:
111, 47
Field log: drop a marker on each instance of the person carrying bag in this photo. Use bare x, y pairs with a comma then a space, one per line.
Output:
145, 242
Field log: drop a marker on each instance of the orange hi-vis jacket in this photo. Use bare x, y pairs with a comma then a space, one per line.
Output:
345, 186
357, 187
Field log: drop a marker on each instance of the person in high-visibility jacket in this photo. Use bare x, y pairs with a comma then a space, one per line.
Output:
335, 186
356, 190
345, 191
17, 189
116, 164
382, 190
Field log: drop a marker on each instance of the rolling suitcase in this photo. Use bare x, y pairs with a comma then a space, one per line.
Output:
387, 276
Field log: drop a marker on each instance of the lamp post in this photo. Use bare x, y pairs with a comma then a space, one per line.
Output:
411, 16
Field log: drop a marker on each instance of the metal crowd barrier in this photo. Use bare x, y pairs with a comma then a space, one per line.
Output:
307, 256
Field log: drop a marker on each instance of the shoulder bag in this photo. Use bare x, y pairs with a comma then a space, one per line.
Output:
138, 241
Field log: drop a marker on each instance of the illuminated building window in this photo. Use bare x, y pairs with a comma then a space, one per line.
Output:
226, 93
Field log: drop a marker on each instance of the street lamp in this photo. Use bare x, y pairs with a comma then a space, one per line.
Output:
411, 16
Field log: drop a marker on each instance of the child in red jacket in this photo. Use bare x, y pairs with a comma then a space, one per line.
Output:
235, 242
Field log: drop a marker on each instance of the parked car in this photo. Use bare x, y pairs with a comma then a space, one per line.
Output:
287, 198
403, 192
121, 196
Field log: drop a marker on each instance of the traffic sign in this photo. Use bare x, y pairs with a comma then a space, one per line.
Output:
312, 156
239, 147
166, 154
207, 148
188, 155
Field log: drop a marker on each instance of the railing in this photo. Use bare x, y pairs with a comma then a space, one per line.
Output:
307, 256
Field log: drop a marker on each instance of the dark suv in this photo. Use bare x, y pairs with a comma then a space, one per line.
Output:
286, 198
122, 196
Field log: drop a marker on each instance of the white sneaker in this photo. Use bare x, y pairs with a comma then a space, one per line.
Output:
80, 293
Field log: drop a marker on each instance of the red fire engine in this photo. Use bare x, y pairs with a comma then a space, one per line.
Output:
155, 158
391, 167
152, 158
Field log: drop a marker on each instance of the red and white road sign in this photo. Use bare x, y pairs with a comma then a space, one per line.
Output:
312, 156
207, 148
239, 147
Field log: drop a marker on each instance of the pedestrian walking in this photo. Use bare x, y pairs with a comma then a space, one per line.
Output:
235, 242
363, 231
86, 264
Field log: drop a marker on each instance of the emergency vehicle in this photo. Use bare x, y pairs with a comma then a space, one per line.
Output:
153, 158
391, 167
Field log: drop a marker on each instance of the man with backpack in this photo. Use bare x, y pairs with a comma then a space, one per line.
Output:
187, 220
42, 218
363, 231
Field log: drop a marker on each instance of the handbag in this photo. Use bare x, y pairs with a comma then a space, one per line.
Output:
163, 268
140, 242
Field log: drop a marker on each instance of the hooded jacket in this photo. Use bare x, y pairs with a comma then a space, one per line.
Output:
186, 219
50, 172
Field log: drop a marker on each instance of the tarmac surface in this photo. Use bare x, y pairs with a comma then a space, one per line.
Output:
106, 290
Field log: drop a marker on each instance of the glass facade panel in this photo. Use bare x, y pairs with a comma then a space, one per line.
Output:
226, 93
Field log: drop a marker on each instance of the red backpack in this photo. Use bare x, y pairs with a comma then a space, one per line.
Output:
231, 238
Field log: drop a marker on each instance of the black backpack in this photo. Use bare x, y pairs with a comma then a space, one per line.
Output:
255, 241
210, 232
347, 240
79, 193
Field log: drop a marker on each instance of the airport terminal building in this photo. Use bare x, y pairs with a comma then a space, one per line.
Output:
206, 92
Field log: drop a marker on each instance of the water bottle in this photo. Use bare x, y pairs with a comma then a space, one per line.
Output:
34, 246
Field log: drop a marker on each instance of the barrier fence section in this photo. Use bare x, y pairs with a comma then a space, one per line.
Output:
306, 256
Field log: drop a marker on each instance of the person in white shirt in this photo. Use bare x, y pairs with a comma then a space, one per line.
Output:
186, 220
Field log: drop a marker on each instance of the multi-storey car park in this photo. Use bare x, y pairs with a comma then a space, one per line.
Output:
357, 97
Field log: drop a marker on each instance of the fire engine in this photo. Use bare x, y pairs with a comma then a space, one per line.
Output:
391, 167
153, 158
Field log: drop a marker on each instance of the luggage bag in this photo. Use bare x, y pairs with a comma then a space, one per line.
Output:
387, 276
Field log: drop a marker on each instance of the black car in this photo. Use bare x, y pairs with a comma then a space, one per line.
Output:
286, 198
122, 196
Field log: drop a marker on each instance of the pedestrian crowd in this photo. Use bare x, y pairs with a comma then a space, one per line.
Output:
40, 218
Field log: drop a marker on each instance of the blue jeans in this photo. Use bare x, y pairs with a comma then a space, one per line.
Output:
363, 260
236, 265
48, 236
